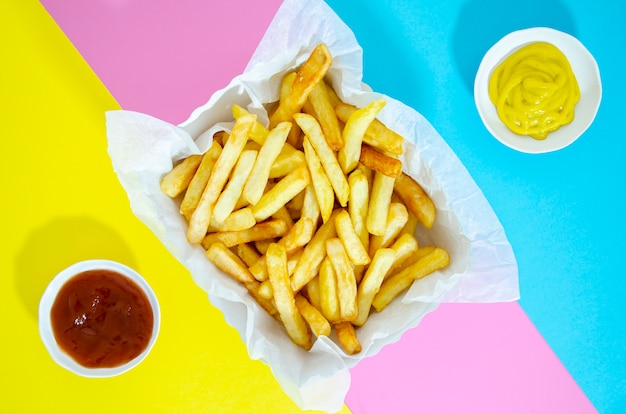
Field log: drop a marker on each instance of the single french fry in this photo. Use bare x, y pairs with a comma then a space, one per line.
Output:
321, 185
333, 98
280, 194
351, 242
288, 159
201, 217
270, 149
380, 198
313, 254
346, 282
265, 288
405, 246
177, 180
310, 73
411, 224
313, 292
329, 301
284, 214
258, 133
370, 283
229, 262
353, 132
232, 192
337, 178
395, 284
416, 199
310, 207
377, 134
380, 162
199, 180
261, 231
241, 219
346, 335
325, 114
248, 254
317, 322
359, 204
397, 217
284, 296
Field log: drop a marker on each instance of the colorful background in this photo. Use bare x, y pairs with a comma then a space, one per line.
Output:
560, 349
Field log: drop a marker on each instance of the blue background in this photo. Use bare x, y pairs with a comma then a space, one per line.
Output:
563, 212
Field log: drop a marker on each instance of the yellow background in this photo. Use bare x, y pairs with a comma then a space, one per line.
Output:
62, 203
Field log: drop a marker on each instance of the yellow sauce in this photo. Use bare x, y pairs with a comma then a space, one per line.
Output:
534, 90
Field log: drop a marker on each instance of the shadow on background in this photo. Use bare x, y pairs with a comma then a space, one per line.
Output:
58, 244
481, 23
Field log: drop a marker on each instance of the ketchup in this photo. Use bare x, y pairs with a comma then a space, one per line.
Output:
102, 319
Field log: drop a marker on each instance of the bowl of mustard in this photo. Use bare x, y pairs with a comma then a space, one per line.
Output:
537, 90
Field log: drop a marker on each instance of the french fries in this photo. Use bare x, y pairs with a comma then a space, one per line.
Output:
312, 214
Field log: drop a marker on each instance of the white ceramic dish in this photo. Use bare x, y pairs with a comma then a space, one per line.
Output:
585, 69
47, 300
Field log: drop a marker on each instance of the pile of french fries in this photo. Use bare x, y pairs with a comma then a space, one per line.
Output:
312, 214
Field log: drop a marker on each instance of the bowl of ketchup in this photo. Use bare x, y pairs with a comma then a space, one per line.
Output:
98, 318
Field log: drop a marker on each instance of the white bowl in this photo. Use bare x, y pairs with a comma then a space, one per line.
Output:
45, 326
585, 69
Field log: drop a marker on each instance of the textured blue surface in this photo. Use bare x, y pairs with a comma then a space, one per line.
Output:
563, 212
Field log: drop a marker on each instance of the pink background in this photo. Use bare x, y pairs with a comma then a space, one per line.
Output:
160, 59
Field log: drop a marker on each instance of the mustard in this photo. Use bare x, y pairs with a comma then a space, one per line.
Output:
534, 90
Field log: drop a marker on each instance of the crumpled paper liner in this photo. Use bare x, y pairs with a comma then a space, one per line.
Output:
482, 269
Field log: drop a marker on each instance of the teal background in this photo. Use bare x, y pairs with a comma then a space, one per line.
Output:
563, 212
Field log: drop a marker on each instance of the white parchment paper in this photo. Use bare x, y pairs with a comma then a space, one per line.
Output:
483, 267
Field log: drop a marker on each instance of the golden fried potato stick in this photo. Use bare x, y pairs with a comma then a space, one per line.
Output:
261, 168
310, 207
395, 284
397, 217
346, 281
370, 284
177, 180
248, 254
359, 204
310, 73
258, 134
337, 178
261, 231
284, 297
199, 180
351, 241
382, 189
377, 134
288, 159
405, 247
324, 192
313, 294
281, 193
201, 217
329, 301
229, 263
325, 114
241, 219
379, 162
353, 133
317, 322
347, 337
234, 187
416, 199
314, 252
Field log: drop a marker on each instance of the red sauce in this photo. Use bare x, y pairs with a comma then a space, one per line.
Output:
102, 319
